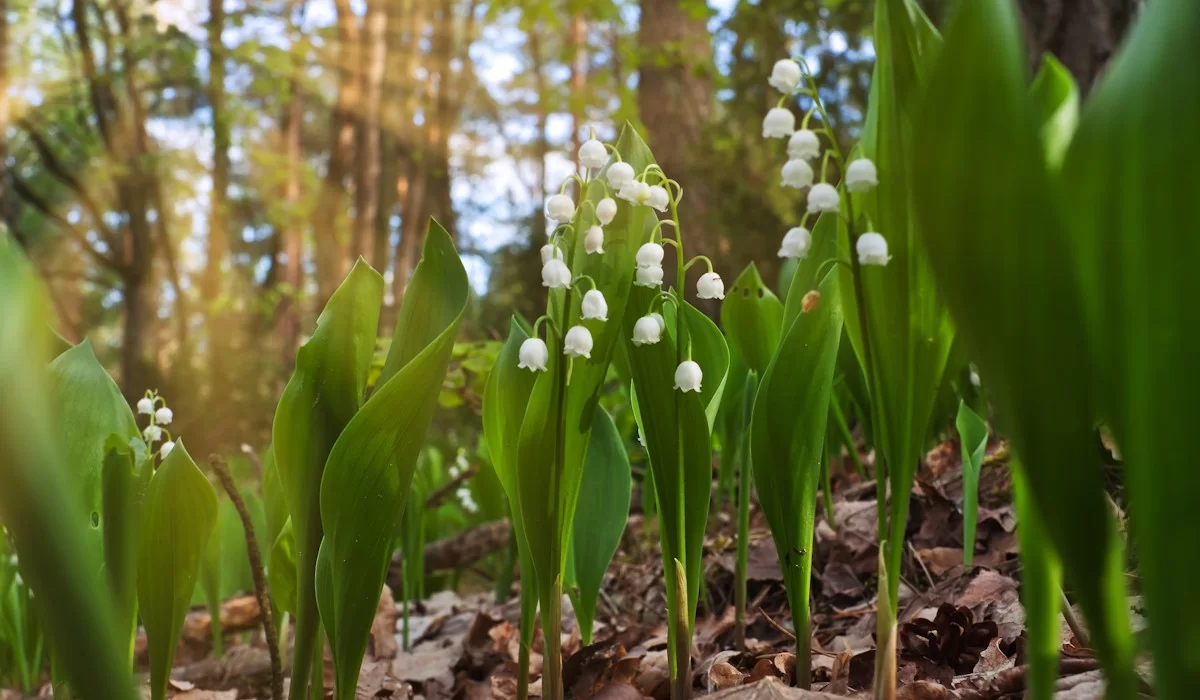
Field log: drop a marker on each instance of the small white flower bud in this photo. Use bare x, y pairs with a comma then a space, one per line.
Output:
556, 275
646, 331
619, 174
551, 251
649, 276
145, 405
861, 175
779, 123
533, 355
797, 173
650, 254
166, 448
635, 192
823, 197
560, 208
785, 75
804, 144
659, 199
658, 318
592, 154
606, 210
152, 433
688, 376
796, 243
594, 307
578, 342
710, 286
164, 416
593, 242
872, 249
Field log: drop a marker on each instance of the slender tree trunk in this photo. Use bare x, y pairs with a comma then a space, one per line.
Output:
366, 191
414, 142
331, 249
1083, 34
214, 285
5, 210
579, 69
292, 231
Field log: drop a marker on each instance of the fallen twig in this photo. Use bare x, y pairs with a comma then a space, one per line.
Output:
435, 499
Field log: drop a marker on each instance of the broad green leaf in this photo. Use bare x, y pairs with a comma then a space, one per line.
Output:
321, 397
88, 409
1056, 99
181, 512
1130, 183
366, 482
600, 518
731, 424
753, 317
37, 503
275, 510
1041, 590
972, 435
787, 438
1015, 297
124, 479
281, 572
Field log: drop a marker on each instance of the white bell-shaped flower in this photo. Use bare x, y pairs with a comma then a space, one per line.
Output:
650, 254
710, 286
647, 331
797, 173
556, 274
534, 354
659, 199
560, 208
649, 276
804, 144
785, 75
593, 242
635, 192
164, 416
872, 249
796, 243
166, 448
823, 197
152, 433
578, 342
658, 318
688, 376
594, 307
779, 123
145, 405
551, 251
861, 175
592, 154
606, 210
619, 174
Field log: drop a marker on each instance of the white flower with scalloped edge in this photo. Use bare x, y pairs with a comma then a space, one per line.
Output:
823, 197
635, 192
533, 355
152, 433
619, 174
797, 173
872, 249
804, 144
551, 251
796, 243
648, 276
560, 208
779, 123
688, 376
650, 254
861, 175
593, 154
164, 416
593, 242
606, 210
659, 199
710, 286
647, 331
166, 448
593, 307
556, 275
578, 342
785, 75
145, 405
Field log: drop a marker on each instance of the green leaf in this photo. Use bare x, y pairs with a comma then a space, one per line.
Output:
281, 573
972, 435
321, 397
1130, 184
753, 317
600, 518
1041, 590
787, 438
1004, 272
181, 511
1056, 99
125, 476
365, 486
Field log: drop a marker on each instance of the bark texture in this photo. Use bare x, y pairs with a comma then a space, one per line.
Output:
1082, 34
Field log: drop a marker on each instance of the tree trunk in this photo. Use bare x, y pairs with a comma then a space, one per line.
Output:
366, 190
413, 151
675, 93
1082, 34
292, 230
213, 283
331, 257
579, 69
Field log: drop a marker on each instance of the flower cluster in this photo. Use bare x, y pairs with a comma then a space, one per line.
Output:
650, 188
804, 147
155, 407
463, 493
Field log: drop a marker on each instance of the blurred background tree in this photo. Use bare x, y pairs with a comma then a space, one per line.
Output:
194, 178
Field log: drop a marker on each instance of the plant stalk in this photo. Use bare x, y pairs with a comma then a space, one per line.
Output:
743, 515
681, 684
839, 417
552, 682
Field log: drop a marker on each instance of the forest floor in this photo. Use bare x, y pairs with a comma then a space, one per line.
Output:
961, 632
